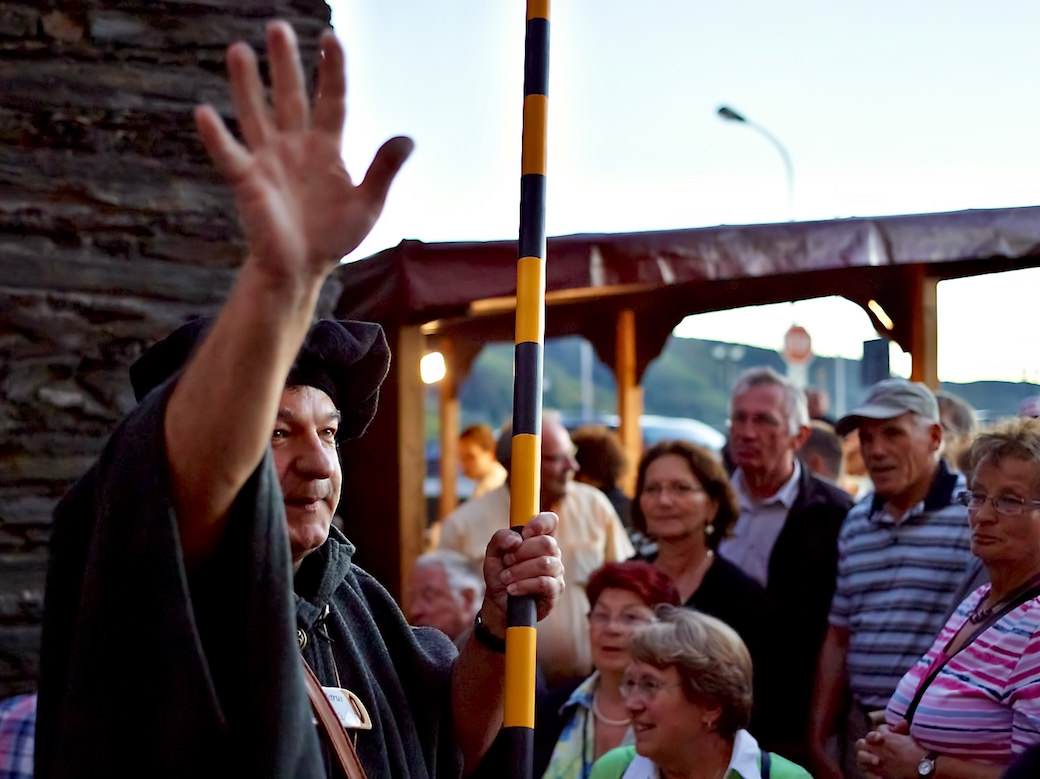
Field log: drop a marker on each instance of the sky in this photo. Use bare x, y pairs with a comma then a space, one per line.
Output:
884, 108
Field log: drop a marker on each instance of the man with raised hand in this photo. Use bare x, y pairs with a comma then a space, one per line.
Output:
196, 560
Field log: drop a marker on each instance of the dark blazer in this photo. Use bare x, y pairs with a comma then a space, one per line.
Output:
802, 571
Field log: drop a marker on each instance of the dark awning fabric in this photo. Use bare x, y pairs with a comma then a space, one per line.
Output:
417, 282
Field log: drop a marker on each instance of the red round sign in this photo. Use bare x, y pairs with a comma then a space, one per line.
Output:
797, 345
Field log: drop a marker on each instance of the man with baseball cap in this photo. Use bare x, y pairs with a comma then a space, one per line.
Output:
902, 552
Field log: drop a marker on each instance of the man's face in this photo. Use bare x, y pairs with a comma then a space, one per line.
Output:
474, 460
558, 463
900, 456
307, 461
432, 603
759, 433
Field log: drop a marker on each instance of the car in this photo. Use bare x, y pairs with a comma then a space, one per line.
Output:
656, 428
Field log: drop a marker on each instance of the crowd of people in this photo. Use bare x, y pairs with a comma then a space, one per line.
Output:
852, 597
889, 609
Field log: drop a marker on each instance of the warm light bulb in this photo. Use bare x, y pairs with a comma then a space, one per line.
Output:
432, 368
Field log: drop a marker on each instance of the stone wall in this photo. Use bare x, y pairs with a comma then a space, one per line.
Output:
114, 229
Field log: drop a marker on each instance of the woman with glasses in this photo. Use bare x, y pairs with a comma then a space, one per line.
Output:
594, 719
684, 503
688, 693
972, 703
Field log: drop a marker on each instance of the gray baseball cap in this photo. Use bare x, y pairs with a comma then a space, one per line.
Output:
891, 398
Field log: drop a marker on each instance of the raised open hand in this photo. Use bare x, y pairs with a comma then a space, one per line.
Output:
297, 204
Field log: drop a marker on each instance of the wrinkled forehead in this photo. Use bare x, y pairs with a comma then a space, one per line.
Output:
761, 398
304, 400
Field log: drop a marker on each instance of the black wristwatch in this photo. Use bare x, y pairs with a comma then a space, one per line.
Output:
482, 633
926, 768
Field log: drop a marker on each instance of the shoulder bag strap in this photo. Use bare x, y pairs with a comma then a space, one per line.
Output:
1028, 593
330, 727
764, 768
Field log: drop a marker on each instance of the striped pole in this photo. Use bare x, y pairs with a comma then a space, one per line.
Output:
525, 468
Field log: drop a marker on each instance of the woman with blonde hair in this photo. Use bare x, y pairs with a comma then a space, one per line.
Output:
688, 693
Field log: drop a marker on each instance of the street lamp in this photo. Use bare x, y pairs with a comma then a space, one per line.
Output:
730, 115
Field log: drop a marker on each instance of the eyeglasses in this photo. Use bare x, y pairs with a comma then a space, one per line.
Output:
646, 687
627, 619
1008, 505
656, 491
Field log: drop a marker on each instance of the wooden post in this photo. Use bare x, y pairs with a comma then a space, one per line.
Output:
629, 395
383, 509
448, 408
924, 340
411, 394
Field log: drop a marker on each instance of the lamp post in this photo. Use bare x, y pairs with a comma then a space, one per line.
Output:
730, 115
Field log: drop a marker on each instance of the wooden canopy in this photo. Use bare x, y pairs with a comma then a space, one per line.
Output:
625, 293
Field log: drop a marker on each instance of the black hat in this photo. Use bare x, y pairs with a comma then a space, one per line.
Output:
346, 360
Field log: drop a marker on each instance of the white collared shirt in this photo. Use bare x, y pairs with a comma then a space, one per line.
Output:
755, 532
744, 762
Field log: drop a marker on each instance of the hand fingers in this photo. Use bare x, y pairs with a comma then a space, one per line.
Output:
384, 168
247, 95
288, 92
501, 543
541, 524
902, 727
230, 157
330, 104
535, 568
867, 760
545, 588
530, 549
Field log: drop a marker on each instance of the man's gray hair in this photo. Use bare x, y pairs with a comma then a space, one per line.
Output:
795, 405
457, 569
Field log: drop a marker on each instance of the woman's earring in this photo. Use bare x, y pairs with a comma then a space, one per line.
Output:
709, 529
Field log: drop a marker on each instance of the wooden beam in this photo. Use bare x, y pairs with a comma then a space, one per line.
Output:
629, 394
924, 340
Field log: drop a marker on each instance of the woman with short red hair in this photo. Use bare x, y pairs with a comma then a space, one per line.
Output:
594, 719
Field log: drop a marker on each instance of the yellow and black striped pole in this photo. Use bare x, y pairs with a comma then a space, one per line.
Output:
525, 468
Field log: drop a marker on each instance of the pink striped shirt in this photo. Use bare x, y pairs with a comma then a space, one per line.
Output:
985, 703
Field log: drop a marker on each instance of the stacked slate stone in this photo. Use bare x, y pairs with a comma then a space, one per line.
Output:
114, 229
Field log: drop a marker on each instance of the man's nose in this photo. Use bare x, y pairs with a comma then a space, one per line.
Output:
316, 458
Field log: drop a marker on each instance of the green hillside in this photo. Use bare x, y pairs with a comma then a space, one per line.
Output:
688, 379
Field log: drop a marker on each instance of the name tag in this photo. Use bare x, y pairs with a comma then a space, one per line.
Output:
348, 707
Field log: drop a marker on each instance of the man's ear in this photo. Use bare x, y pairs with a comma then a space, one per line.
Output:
800, 437
936, 436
